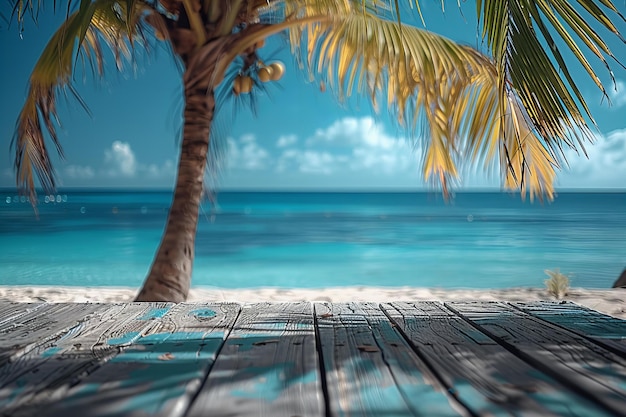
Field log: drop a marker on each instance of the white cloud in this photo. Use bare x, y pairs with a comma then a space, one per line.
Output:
605, 167
79, 172
308, 161
167, 169
618, 93
246, 154
317, 162
288, 158
366, 146
120, 159
386, 162
286, 140
350, 130
349, 145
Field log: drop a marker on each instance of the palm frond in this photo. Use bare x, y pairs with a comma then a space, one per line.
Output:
21, 8
84, 32
504, 135
449, 91
517, 33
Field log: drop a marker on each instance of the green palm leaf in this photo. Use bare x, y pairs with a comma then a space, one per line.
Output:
544, 83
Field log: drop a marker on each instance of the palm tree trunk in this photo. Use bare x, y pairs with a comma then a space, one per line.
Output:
170, 276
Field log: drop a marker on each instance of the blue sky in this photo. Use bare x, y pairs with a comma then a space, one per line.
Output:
301, 138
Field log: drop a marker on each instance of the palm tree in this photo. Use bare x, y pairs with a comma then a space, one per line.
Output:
515, 109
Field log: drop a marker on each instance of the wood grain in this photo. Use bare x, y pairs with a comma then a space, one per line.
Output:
371, 370
607, 331
42, 375
267, 367
160, 371
574, 361
9, 311
480, 373
39, 324
296, 359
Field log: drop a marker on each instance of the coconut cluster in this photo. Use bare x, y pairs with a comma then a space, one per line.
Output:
243, 84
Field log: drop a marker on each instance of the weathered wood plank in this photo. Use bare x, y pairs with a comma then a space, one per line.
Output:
42, 374
268, 366
160, 371
10, 310
607, 331
20, 313
371, 370
481, 374
577, 363
39, 323
152, 359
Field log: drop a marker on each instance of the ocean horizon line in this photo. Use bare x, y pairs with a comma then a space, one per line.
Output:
374, 190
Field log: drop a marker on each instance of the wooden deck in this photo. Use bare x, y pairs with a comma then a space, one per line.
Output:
302, 359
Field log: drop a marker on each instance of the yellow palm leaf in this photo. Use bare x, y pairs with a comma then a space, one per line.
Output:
449, 91
85, 31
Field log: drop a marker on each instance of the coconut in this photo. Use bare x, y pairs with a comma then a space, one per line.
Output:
265, 73
278, 69
159, 34
246, 84
237, 85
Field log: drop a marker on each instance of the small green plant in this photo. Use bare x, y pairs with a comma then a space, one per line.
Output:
558, 283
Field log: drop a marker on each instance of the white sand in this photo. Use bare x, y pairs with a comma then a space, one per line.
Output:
610, 301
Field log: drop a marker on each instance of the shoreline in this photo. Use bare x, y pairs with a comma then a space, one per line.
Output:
608, 301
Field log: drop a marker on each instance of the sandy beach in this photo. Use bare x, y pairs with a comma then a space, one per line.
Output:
609, 301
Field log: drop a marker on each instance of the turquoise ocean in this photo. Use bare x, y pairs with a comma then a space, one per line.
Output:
319, 239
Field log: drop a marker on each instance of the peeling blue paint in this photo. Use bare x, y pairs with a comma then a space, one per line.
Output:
170, 337
474, 398
167, 366
203, 313
154, 313
563, 404
268, 383
175, 348
424, 400
308, 378
152, 373
50, 351
304, 326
